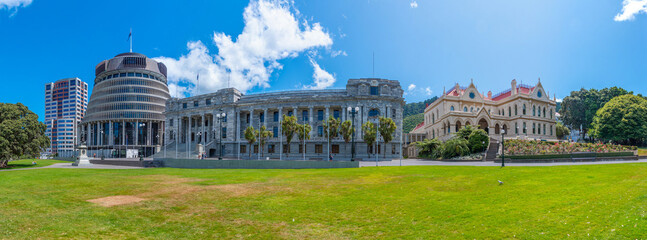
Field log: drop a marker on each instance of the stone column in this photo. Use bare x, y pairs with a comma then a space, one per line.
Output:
310, 120
265, 118
203, 135
237, 137
280, 132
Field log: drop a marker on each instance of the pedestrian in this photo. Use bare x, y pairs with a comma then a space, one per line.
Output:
330, 156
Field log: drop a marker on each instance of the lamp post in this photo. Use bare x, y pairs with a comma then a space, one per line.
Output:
199, 142
352, 112
102, 151
503, 148
221, 117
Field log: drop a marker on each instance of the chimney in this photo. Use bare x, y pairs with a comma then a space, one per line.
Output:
514, 87
489, 94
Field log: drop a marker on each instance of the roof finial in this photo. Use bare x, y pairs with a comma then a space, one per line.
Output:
539, 80
472, 80
443, 90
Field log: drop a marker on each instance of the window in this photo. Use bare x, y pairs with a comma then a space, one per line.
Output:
509, 111
183, 105
524, 109
301, 148
524, 127
131, 74
533, 110
551, 130
276, 116
551, 114
464, 109
122, 74
255, 148
451, 108
373, 113
171, 123
392, 113
533, 128
375, 90
247, 117
393, 147
224, 132
285, 148
270, 148
262, 117
515, 110
334, 148
138, 75
320, 115
320, 131
318, 148
195, 103
304, 115
275, 131
472, 95
243, 148
290, 113
208, 101
335, 114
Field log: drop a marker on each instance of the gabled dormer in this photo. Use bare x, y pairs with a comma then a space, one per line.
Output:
471, 93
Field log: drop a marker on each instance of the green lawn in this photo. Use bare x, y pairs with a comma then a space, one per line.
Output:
425, 202
27, 163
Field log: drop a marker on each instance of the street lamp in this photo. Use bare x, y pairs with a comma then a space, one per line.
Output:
502, 148
199, 142
102, 151
221, 117
352, 112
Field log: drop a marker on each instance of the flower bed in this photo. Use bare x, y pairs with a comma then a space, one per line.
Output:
525, 147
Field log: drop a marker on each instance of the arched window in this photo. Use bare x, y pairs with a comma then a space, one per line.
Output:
533, 110
524, 110
551, 114
509, 111
544, 113
433, 119
373, 113
471, 109
516, 110
451, 108
524, 127
464, 109
516, 128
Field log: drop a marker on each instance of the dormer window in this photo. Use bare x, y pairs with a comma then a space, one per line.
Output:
539, 94
472, 95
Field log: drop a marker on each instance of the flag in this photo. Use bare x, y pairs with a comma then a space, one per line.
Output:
197, 77
130, 34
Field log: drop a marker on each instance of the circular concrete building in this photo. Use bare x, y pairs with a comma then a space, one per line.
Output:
125, 115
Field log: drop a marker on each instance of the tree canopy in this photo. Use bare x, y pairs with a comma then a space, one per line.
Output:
387, 128
622, 120
370, 130
579, 108
21, 134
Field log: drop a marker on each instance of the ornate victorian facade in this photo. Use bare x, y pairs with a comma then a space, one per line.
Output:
523, 111
194, 120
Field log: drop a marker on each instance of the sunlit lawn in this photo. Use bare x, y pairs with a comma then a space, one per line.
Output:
425, 202
27, 163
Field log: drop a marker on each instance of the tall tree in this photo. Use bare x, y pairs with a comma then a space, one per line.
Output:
250, 136
387, 128
21, 134
288, 128
346, 130
561, 131
369, 129
579, 108
263, 136
331, 129
303, 133
622, 120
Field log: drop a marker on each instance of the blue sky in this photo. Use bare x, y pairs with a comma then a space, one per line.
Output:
430, 44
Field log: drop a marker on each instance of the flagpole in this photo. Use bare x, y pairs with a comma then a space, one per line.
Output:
131, 39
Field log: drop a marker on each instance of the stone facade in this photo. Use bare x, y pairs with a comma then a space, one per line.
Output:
193, 120
523, 111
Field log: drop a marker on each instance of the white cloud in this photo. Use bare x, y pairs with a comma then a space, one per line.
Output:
630, 8
322, 79
428, 91
411, 87
559, 100
338, 53
413, 4
14, 4
271, 33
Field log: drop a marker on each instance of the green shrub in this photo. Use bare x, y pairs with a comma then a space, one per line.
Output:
455, 147
428, 148
478, 140
465, 132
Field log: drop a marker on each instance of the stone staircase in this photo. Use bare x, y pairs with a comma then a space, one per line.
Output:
492, 150
181, 151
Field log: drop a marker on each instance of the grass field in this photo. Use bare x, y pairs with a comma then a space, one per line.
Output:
425, 202
27, 163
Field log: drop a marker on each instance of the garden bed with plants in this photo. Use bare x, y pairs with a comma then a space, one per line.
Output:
528, 149
468, 144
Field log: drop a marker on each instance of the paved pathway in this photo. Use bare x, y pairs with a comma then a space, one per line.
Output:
69, 165
418, 162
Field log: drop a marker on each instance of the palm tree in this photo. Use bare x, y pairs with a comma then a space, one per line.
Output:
250, 136
347, 129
